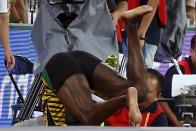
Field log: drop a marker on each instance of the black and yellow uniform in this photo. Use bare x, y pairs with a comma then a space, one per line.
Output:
54, 111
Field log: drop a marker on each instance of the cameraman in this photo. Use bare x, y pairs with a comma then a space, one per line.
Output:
187, 66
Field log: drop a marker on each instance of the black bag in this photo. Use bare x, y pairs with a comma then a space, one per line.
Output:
173, 35
22, 66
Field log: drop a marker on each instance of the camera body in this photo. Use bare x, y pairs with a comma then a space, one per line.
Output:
187, 107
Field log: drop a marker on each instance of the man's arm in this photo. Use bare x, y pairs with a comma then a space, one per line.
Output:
170, 114
4, 36
121, 6
166, 93
147, 19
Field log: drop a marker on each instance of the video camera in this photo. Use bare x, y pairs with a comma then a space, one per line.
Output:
184, 93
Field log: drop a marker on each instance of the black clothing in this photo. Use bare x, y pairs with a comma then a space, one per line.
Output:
166, 92
63, 65
160, 120
153, 34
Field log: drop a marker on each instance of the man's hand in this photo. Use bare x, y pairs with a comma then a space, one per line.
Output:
10, 59
178, 123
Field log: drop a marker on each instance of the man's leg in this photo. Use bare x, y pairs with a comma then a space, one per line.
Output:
107, 81
136, 69
14, 16
110, 84
22, 10
70, 83
78, 102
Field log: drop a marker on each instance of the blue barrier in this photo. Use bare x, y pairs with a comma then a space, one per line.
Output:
21, 43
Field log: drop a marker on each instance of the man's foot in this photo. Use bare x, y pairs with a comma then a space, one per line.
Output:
134, 112
134, 15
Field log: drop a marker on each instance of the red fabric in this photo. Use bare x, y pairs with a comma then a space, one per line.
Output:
118, 32
133, 4
162, 9
121, 118
162, 12
186, 66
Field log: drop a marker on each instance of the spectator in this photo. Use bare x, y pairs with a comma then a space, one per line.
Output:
152, 115
187, 66
151, 27
4, 34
